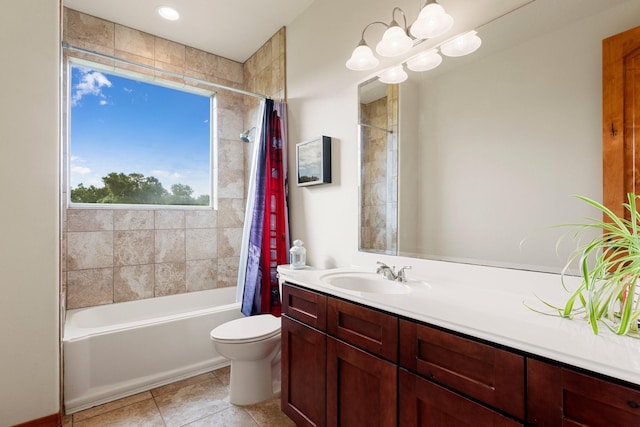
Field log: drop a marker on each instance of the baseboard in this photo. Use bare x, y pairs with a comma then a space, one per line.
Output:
54, 420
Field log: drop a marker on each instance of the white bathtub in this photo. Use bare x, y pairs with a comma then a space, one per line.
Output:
116, 350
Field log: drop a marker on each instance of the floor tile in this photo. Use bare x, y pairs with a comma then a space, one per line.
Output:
230, 417
193, 402
143, 413
223, 374
108, 407
175, 386
268, 414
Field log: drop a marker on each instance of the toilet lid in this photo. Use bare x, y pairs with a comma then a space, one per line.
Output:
246, 329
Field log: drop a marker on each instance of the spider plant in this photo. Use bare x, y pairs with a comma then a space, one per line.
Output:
610, 267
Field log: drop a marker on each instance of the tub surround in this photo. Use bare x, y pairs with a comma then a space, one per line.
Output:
489, 303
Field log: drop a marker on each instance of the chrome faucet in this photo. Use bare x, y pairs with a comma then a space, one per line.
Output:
389, 273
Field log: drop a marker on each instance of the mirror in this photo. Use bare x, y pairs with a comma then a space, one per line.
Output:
477, 160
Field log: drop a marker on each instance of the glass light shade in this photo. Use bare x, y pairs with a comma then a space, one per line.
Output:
424, 61
362, 59
395, 41
432, 22
462, 45
393, 75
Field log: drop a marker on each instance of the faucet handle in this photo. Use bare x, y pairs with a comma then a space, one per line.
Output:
401, 275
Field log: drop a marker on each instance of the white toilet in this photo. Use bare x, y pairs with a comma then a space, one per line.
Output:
253, 346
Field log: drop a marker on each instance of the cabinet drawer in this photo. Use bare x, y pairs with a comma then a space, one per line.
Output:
368, 329
483, 372
304, 305
558, 397
426, 404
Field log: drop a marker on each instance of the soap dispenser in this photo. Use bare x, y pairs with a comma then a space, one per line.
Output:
298, 255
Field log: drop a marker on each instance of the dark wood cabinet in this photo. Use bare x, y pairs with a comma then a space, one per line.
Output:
559, 396
424, 403
344, 364
486, 373
304, 356
361, 388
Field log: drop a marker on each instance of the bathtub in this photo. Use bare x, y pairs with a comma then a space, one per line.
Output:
116, 350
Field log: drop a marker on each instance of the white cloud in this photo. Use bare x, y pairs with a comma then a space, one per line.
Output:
80, 170
91, 83
165, 174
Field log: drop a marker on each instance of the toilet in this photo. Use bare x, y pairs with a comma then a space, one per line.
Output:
253, 346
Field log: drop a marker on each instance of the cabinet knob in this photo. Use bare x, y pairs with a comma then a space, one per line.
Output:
633, 404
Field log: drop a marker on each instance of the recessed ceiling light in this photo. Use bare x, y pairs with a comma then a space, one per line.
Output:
168, 13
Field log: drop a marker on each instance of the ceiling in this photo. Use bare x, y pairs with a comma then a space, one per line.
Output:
204, 24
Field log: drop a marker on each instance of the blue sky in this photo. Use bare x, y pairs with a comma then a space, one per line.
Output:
122, 125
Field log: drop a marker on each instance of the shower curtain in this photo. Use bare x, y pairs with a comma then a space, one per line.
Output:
266, 231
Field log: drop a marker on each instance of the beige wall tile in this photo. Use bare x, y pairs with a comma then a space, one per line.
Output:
201, 219
231, 183
91, 287
133, 282
229, 242
230, 213
134, 42
228, 271
170, 278
230, 124
133, 247
201, 62
170, 53
133, 220
202, 274
89, 249
169, 246
89, 32
231, 153
201, 243
89, 220
230, 70
169, 219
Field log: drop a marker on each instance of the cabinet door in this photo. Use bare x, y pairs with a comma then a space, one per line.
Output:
369, 329
486, 373
558, 396
304, 305
426, 404
361, 388
303, 396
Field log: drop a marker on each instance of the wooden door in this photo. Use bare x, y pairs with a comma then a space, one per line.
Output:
621, 118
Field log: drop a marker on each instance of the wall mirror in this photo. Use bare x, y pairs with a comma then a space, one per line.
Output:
476, 160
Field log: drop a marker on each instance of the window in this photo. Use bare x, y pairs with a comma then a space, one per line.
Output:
137, 142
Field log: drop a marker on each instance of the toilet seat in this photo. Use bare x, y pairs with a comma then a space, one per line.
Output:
248, 329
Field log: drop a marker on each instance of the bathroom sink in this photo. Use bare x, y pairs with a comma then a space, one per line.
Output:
364, 282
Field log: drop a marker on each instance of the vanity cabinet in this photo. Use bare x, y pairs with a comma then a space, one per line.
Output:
344, 364
559, 396
304, 356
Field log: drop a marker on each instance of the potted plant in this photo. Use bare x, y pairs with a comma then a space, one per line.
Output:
610, 267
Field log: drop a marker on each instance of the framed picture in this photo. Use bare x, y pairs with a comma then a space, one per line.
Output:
313, 161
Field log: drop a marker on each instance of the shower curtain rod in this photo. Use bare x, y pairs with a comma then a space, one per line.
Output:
66, 45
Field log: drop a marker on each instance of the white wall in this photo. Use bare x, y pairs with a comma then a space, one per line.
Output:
29, 158
322, 96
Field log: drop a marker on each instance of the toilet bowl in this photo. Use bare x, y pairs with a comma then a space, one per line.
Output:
253, 346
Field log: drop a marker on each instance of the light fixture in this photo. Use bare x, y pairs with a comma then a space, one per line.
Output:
395, 40
362, 58
463, 44
393, 75
424, 61
168, 13
432, 22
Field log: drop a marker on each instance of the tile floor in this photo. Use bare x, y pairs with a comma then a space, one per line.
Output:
200, 401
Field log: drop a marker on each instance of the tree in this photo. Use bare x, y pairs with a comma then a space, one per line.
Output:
135, 188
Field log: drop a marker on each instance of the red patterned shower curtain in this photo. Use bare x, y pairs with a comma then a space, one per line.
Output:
275, 243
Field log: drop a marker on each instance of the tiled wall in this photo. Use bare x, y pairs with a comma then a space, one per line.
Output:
113, 255
379, 174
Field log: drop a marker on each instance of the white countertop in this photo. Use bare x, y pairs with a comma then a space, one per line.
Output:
489, 303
